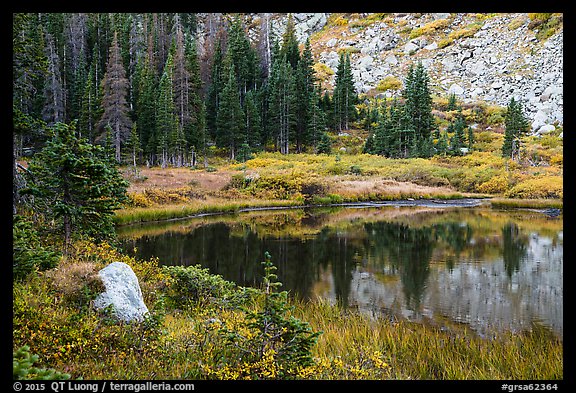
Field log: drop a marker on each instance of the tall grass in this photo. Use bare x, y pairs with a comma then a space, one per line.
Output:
420, 351
168, 212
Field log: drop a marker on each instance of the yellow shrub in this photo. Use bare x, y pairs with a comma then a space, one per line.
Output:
557, 159
136, 199
430, 28
540, 187
496, 185
389, 83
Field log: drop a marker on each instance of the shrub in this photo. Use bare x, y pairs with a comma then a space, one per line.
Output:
496, 185
389, 83
136, 199
430, 28
538, 188
78, 282
23, 367
192, 284
275, 345
28, 254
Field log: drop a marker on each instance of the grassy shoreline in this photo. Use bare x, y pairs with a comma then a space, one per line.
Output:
134, 215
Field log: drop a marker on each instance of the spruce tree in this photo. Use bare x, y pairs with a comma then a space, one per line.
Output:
230, 121
146, 109
516, 125
345, 96
214, 89
253, 119
133, 148
114, 102
306, 98
54, 93
289, 47
90, 107
166, 119
181, 86
195, 131
282, 103
418, 103
442, 144
458, 137
470, 138
75, 185
325, 144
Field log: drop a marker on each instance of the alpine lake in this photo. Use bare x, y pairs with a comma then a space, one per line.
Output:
442, 262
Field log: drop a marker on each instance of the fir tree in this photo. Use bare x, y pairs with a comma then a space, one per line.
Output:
195, 130
75, 185
133, 148
253, 119
470, 138
325, 144
289, 47
282, 103
166, 119
306, 99
214, 89
345, 96
230, 122
516, 125
458, 138
442, 144
114, 102
317, 119
146, 109
54, 93
182, 91
418, 103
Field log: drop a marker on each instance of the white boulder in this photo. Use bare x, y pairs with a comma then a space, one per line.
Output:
122, 292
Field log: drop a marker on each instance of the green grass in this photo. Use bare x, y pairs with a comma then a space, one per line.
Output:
502, 203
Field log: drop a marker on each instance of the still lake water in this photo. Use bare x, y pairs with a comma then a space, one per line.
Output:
492, 270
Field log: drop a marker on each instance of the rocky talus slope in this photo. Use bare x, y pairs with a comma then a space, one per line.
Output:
478, 57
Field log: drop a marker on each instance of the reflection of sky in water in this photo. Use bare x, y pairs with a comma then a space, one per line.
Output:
480, 294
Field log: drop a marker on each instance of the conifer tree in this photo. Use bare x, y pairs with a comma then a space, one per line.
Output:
306, 99
442, 144
289, 47
316, 126
82, 198
166, 119
418, 102
458, 137
195, 130
54, 93
282, 103
146, 109
91, 104
516, 125
243, 57
214, 89
345, 96
230, 121
114, 102
470, 138
253, 119
133, 148
325, 144
182, 91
